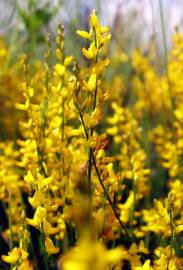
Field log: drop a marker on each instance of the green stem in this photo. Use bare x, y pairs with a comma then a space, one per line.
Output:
109, 200
63, 134
63, 119
10, 225
133, 207
101, 182
172, 233
10, 222
92, 129
45, 255
89, 171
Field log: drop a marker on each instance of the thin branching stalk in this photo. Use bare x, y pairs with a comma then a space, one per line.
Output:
92, 129
134, 201
109, 200
172, 235
43, 247
101, 182
10, 224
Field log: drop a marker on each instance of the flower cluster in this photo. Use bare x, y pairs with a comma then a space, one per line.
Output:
92, 177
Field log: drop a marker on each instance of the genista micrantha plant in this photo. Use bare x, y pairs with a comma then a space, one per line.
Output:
93, 177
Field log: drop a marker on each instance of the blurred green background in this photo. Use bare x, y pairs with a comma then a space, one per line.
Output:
133, 23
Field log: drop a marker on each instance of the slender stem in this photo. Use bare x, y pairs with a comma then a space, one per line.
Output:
109, 200
82, 121
63, 134
91, 155
63, 119
172, 232
101, 182
10, 222
92, 129
91, 134
89, 170
134, 201
10, 225
170, 212
45, 255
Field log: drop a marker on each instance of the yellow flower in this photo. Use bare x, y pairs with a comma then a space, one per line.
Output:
91, 52
48, 230
25, 265
29, 178
50, 248
94, 20
59, 69
15, 255
23, 107
43, 182
39, 216
68, 60
12, 256
38, 199
146, 266
91, 254
84, 34
92, 82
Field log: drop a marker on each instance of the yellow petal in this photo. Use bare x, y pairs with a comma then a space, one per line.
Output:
115, 255
39, 216
37, 200
29, 178
48, 229
50, 248
23, 107
59, 69
84, 34
68, 60
94, 20
91, 52
179, 229
43, 182
92, 82
12, 257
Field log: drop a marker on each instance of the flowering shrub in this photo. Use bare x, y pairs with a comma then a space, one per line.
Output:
93, 178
